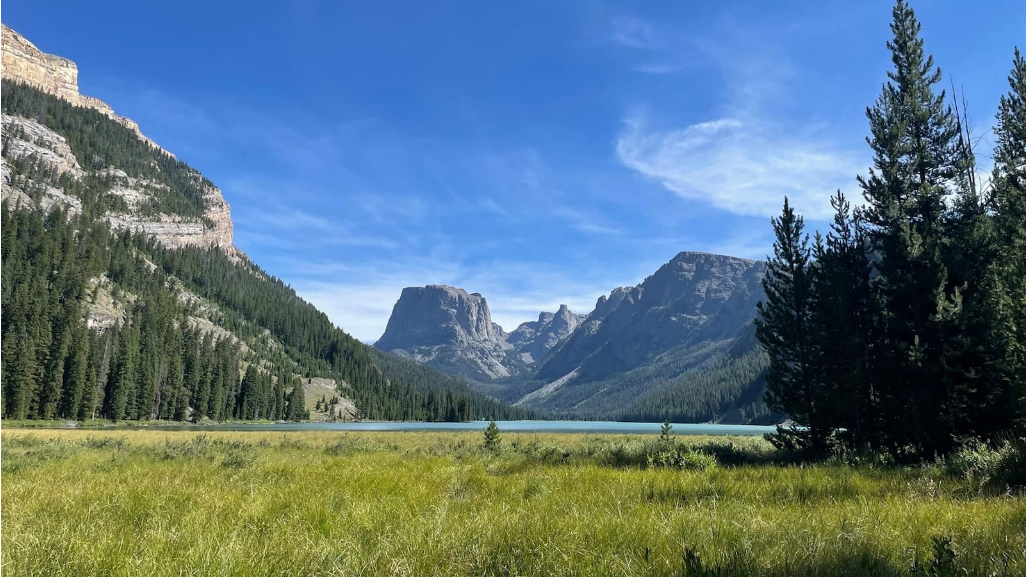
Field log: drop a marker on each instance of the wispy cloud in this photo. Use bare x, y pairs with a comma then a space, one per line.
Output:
745, 157
586, 222
654, 68
632, 32
743, 167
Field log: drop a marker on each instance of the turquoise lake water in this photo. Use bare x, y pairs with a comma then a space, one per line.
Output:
609, 427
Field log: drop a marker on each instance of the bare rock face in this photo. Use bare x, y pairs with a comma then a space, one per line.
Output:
437, 315
23, 62
452, 330
27, 139
533, 340
448, 328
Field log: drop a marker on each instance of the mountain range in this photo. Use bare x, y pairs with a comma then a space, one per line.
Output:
678, 345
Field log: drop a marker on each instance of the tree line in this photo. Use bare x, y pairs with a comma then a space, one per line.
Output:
903, 329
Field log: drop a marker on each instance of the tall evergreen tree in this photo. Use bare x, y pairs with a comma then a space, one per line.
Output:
1009, 207
915, 165
783, 326
121, 382
297, 401
842, 326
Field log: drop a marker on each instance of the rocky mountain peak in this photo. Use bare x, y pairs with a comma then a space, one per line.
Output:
452, 329
436, 315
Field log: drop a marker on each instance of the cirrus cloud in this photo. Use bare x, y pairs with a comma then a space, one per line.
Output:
741, 166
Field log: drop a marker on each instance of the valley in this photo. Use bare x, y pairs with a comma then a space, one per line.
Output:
678, 346
850, 401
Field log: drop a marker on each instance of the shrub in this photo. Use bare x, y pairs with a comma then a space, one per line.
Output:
681, 458
238, 460
116, 443
1000, 466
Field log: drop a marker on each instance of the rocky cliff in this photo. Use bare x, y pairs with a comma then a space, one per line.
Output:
29, 143
534, 339
451, 329
22, 61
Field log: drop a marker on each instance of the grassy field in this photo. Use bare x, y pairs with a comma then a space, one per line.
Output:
321, 503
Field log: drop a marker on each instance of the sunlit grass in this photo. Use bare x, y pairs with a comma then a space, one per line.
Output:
247, 503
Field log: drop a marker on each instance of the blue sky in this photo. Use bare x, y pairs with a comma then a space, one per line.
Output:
538, 152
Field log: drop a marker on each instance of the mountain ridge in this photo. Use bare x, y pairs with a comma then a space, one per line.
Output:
452, 330
689, 320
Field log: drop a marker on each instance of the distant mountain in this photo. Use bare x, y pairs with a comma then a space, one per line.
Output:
693, 314
534, 339
449, 329
124, 297
452, 330
693, 298
679, 345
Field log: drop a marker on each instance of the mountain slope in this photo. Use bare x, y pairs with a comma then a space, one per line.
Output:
679, 345
123, 296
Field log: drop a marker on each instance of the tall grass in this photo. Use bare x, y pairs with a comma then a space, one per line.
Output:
173, 503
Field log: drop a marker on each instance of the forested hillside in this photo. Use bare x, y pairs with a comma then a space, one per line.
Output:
183, 323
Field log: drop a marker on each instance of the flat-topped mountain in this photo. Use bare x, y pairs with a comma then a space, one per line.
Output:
438, 315
451, 329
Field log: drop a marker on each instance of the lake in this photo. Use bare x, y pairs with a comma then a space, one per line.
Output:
609, 427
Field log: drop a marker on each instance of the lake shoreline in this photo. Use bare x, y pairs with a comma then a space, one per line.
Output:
522, 426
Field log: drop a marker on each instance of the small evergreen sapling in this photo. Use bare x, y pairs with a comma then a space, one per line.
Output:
666, 431
491, 437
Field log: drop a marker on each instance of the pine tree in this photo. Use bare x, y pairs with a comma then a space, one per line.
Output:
784, 327
1009, 207
120, 383
666, 431
492, 441
248, 404
842, 325
297, 401
916, 163
76, 374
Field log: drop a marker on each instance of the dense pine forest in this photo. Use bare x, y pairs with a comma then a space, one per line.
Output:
903, 330
159, 360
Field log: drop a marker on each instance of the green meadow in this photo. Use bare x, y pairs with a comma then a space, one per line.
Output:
77, 502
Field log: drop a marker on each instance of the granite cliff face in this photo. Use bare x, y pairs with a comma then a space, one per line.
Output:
438, 315
27, 141
452, 330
